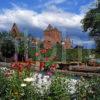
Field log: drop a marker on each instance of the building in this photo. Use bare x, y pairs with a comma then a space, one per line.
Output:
15, 33
51, 36
67, 43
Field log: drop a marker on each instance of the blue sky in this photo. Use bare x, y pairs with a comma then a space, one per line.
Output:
33, 16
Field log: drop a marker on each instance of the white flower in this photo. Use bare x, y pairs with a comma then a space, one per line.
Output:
23, 85
29, 79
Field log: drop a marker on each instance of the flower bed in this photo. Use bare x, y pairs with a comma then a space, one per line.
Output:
20, 82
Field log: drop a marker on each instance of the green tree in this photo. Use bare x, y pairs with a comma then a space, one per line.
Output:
59, 51
91, 24
7, 48
21, 50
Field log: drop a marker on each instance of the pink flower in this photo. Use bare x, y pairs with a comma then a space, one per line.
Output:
36, 54
49, 73
46, 58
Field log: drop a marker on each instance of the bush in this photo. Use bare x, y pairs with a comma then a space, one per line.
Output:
3, 86
58, 89
7, 48
88, 88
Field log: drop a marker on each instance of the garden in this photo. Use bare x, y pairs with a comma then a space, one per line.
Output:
21, 82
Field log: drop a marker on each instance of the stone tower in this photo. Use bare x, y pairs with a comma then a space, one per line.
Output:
51, 37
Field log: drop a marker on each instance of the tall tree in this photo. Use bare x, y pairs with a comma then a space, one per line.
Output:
91, 24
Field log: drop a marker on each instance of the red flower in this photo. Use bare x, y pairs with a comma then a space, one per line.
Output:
14, 65
20, 67
43, 51
36, 54
53, 66
17, 66
49, 73
42, 65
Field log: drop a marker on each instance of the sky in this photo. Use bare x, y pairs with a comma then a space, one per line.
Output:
33, 16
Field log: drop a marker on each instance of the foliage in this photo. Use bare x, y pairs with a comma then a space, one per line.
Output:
7, 48
72, 54
59, 51
3, 85
58, 89
4, 35
10, 86
91, 24
21, 50
21, 47
97, 55
88, 88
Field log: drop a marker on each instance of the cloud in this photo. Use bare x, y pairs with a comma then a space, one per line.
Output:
88, 43
32, 18
87, 7
50, 5
56, 4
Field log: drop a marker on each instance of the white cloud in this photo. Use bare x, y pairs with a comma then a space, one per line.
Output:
87, 7
32, 18
50, 5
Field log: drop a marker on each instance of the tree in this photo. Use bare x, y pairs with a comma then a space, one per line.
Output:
4, 35
91, 24
59, 51
21, 50
7, 48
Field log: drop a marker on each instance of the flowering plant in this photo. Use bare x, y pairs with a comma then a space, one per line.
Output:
21, 69
47, 63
